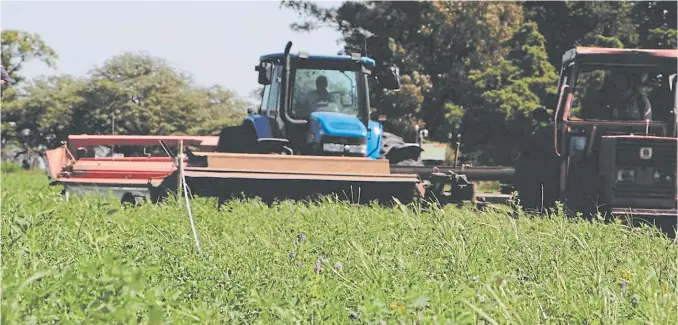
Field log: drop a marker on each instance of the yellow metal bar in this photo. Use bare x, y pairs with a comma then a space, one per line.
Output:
296, 164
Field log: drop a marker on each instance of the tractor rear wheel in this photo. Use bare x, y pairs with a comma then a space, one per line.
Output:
237, 139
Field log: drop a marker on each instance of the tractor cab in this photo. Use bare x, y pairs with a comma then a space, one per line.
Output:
319, 104
611, 140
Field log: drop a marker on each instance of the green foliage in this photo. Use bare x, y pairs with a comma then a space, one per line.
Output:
439, 47
145, 95
91, 261
9, 167
19, 47
131, 93
478, 67
656, 24
43, 113
506, 94
582, 23
214, 108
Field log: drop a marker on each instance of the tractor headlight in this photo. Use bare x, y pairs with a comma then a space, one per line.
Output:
350, 148
659, 176
626, 175
360, 148
333, 147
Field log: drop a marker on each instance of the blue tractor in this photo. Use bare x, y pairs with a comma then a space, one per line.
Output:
317, 105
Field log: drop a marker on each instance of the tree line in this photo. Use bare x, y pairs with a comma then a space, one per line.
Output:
473, 68
479, 68
131, 93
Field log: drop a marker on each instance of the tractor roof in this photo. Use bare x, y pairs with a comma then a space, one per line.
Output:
368, 62
601, 55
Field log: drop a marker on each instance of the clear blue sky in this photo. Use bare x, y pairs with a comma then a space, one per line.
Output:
218, 42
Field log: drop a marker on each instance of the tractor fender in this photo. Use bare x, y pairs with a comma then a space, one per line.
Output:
238, 138
375, 141
396, 150
408, 152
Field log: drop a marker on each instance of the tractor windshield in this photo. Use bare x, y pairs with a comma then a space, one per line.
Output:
623, 93
324, 90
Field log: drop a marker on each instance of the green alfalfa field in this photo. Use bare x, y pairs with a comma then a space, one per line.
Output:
95, 262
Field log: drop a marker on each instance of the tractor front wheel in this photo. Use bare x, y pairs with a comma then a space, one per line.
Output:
536, 183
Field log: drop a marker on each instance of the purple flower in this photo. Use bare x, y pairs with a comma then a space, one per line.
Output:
634, 300
292, 256
338, 265
317, 269
623, 284
301, 237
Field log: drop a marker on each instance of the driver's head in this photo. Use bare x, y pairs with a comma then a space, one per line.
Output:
321, 83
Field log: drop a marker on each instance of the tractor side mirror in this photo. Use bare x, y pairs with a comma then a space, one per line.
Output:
264, 73
389, 78
540, 114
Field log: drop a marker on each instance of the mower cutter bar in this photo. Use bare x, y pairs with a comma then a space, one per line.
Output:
503, 174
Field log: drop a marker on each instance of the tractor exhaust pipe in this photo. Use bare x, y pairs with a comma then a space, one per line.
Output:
286, 88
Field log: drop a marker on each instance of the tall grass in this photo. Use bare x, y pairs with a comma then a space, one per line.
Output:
92, 261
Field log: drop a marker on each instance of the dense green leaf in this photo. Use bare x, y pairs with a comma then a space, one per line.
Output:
479, 67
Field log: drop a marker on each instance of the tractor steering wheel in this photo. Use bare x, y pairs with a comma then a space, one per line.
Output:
325, 106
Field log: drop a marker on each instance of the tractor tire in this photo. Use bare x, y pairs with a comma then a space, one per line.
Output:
237, 139
527, 186
536, 184
131, 200
537, 173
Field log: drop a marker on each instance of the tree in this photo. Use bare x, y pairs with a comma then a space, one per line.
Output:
131, 93
216, 108
136, 93
480, 67
656, 21
256, 94
19, 47
435, 44
641, 24
42, 115
439, 47
506, 95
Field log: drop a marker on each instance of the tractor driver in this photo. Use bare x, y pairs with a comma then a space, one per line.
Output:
620, 98
318, 96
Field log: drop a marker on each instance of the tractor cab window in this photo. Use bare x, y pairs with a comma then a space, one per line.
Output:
621, 94
317, 90
270, 93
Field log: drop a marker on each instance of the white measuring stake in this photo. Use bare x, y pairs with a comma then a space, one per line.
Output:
182, 180
188, 208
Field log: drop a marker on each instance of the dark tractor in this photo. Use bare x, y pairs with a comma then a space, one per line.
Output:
609, 145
